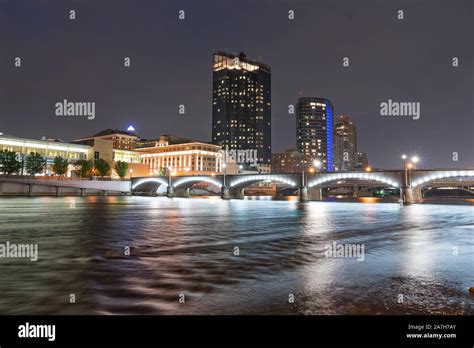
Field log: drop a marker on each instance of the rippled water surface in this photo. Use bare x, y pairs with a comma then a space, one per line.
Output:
186, 246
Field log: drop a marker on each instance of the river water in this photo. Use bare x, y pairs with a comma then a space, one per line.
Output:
253, 256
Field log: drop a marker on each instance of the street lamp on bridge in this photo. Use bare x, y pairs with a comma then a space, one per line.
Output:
408, 165
224, 165
415, 160
404, 158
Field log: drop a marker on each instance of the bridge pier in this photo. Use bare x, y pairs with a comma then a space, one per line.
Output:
170, 191
58, 191
82, 192
408, 197
225, 192
412, 195
104, 193
355, 192
30, 190
303, 194
1, 188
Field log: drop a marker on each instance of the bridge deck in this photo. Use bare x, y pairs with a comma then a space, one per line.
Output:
99, 185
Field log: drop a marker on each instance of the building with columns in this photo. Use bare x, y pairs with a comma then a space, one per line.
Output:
182, 156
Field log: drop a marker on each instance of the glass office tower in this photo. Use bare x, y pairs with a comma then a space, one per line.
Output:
314, 131
241, 105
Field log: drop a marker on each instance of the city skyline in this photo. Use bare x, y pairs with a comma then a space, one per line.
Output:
177, 71
218, 165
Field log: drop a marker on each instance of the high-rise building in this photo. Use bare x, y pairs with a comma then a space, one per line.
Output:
345, 144
361, 161
241, 105
314, 131
285, 162
289, 161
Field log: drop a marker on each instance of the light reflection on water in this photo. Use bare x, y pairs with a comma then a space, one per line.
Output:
187, 246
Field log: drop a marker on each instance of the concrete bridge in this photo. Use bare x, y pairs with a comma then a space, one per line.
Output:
40, 186
411, 183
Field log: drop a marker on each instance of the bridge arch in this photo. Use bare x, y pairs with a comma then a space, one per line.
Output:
195, 179
357, 176
160, 181
442, 175
428, 189
251, 179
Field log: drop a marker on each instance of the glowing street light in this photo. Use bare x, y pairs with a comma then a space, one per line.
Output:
405, 172
368, 169
317, 163
414, 160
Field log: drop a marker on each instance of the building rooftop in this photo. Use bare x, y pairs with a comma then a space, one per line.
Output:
311, 99
107, 132
41, 143
110, 131
243, 58
173, 140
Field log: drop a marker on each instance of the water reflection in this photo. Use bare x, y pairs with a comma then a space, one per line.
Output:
188, 246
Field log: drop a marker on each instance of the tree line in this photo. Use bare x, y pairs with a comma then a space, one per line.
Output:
34, 163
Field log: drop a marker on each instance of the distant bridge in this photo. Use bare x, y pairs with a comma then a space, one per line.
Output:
411, 183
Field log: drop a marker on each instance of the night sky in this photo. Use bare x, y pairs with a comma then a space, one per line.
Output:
402, 60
